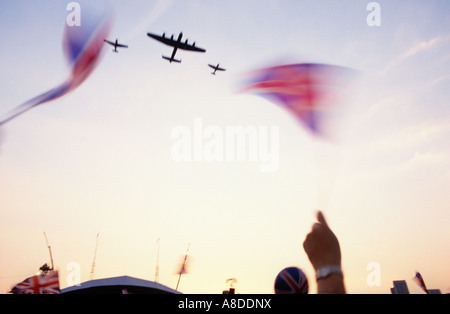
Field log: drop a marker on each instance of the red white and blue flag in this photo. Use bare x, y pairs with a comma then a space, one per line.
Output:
82, 46
291, 280
40, 284
419, 280
306, 90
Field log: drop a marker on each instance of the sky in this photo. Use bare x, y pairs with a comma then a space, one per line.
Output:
100, 160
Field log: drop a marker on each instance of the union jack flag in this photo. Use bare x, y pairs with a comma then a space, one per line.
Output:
83, 45
303, 89
41, 284
419, 280
291, 280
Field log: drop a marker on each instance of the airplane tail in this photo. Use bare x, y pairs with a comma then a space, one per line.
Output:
171, 60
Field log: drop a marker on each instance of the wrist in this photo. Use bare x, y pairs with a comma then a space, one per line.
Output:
333, 284
327, 271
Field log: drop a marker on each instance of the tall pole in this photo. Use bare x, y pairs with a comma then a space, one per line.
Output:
157, 263
50, 250
183, 267
93, 262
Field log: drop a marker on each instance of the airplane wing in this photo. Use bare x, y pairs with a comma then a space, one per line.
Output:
215, 67
164, 40
185, 46
112, 43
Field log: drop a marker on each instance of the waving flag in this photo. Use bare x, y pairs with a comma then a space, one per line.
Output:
306, 90
419, 280
183, 268
41, 284
82, 45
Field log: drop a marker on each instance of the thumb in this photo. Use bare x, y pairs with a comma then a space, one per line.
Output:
321, 219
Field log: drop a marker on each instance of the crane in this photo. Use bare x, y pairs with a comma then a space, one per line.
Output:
157, 263
50, 251
93, 262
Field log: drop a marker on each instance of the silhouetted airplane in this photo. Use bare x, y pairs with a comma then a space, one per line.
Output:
176, 44
216, 68
115, 44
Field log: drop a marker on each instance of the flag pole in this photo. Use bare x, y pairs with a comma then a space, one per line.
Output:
91, 276
50, 250
183, 267
179, 277
157, 263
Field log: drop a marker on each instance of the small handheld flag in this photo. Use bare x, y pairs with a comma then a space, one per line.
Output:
183, 268
82, 45
419, 280
306, 90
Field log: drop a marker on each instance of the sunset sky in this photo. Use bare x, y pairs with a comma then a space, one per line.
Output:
100, 160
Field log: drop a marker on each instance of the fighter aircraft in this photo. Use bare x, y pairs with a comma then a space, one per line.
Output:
176, 44
216, 68
115, 44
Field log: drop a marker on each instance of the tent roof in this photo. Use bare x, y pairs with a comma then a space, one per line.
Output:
115, 285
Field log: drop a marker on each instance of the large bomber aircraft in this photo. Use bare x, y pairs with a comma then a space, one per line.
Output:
176, 44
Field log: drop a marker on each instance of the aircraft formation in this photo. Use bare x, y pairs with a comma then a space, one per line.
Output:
175, 43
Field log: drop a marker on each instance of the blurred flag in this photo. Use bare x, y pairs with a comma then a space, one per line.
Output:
183, 269
82, 45
184, 266
306, 90
40, 284
419, 280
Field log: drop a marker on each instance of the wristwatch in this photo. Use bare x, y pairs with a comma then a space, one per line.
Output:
327, 271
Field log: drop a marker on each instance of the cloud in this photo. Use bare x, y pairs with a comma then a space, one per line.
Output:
412, 136
416, 48
1, 139
422, 46
439, 80
158, 10
384, 105
423, 160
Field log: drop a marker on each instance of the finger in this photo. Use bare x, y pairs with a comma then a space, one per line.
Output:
316, 227
321, 219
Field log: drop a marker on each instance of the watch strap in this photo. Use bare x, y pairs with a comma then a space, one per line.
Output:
327, 271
